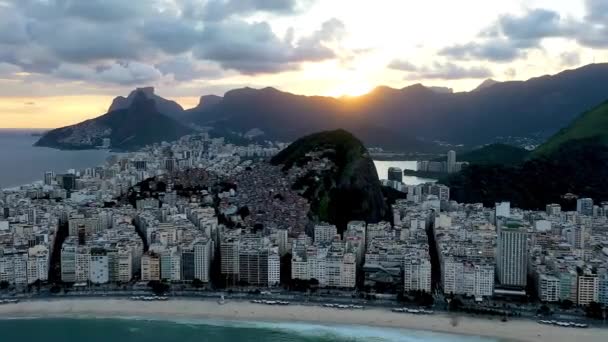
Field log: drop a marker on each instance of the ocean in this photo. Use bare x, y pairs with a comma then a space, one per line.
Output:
145, 330
22, 163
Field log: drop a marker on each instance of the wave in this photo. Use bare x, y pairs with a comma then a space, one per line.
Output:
312, 331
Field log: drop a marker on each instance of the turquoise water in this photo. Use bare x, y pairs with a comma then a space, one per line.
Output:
142, 330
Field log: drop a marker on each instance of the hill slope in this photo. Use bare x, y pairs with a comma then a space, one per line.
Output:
350, 190
138, 125
592, 124
498, 154
574, 161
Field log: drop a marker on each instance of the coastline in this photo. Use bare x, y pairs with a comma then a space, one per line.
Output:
243, 311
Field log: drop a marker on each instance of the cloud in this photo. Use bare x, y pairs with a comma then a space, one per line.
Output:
442, 71
171, 34
70, 38
499, 50
510, 37
534, 25
570, 59
402, 65
597, 10
127, 73
217, 10
7, 69
253, 48
185, 68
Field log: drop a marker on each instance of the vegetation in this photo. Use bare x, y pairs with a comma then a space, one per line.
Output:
574, 161
592, 124
493, 154
349, 191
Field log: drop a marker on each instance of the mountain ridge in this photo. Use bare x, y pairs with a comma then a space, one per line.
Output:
138, 125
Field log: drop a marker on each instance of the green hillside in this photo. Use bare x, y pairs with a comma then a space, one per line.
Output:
492, 154
495, 154
591, 125
349, 191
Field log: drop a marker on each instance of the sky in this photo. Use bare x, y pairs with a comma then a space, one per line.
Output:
63, 61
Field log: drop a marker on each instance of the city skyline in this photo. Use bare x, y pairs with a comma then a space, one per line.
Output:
188, 48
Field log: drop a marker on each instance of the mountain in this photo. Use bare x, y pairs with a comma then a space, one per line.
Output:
497, 154
348, 191
485, 84
592, 124
138, 125
170, 108
412, 117
575, 160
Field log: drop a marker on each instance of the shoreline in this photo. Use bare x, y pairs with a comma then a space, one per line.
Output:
244, 311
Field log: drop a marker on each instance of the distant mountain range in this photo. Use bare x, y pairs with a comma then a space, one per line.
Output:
134, 122
407, 119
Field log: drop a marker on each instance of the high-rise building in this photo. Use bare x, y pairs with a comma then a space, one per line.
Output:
553, 209
99, 271
451, 165
395, 174
548, 288
68, 263
203, 254
588, 289
417, 275
187, 264
502, 209
49, 177
83, 264
512, 255
150, 267
325, 232
584, 206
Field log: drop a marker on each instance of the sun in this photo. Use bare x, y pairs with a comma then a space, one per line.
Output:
352, 89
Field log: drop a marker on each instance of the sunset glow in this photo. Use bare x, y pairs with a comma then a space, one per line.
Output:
71, 63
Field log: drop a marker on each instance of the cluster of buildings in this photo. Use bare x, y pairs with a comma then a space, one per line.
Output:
248, 217
448, 166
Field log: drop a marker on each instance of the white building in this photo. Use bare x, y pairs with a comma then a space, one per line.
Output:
588, 289
548, 288
325, 233
99, 268
274, 269
417, 275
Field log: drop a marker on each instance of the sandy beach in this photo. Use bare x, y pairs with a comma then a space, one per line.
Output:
515, 330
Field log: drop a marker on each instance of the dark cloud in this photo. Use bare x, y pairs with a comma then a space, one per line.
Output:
7, 69
252, 48
511, 36
170, 34
217, 10
106, 10
123, 73
104, 40
499, 50
442, 71
534, 25
185, 68
597, 10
